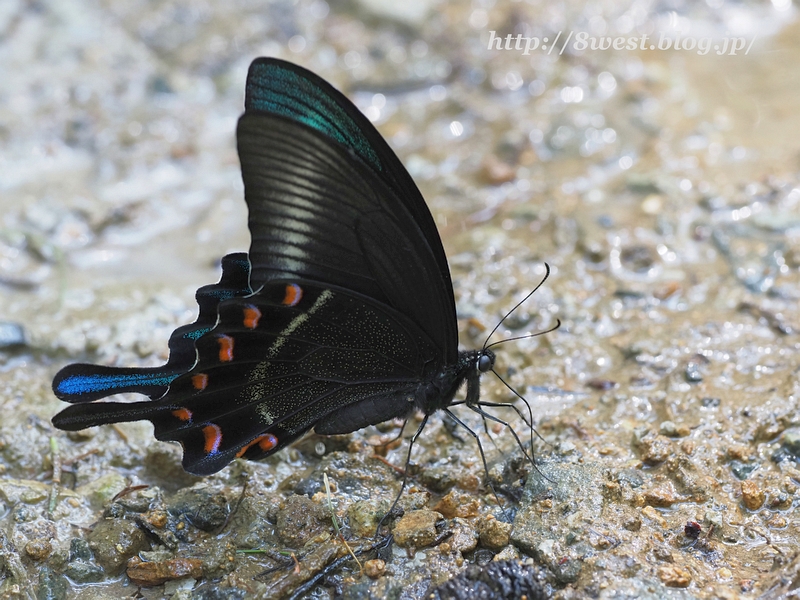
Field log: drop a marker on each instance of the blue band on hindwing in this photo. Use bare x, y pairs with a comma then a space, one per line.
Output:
277, 90
84, 384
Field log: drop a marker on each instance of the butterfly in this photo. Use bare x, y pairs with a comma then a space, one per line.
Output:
341, 315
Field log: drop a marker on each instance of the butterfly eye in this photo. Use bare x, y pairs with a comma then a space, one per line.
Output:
485, 363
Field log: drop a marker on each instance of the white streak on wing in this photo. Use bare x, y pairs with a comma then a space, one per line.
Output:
297, 322
261, 370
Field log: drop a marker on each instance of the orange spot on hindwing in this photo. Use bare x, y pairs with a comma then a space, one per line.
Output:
293, 295
213, 438
251, 316
225, 348
266, 442
199, 381
184, 414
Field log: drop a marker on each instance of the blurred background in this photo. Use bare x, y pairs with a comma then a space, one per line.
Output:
647, 150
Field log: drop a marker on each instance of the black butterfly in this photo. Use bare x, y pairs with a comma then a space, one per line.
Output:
341, 316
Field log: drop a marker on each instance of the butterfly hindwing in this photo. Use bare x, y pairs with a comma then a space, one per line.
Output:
278, 363
86, 382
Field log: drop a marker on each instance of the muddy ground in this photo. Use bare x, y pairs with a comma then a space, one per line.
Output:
661, 186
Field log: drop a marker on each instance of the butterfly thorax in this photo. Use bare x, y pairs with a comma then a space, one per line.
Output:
440, 391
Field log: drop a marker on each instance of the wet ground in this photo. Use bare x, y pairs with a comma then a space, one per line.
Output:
660, 186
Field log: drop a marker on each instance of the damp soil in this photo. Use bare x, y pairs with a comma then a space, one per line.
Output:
661, 187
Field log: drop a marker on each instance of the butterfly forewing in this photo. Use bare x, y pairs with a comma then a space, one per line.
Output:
279, 364
281, 88
318, 214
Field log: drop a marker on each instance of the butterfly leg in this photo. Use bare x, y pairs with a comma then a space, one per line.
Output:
405, 475
483, 458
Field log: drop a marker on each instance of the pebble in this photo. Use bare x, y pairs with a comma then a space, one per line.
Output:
458, 504
204, 508
752, 495
114, 541
149, 574
652, 514
494, 534
670, 429
12, 335
38, 549
662, 496
776, 522
655, 449
417, 528
300, 519
674, 576
374, 568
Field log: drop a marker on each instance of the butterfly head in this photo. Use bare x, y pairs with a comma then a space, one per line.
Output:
485, 361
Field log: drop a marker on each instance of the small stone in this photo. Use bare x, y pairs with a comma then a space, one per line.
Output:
14, 491
652, 514
663, 554
777, 522
725, 574
300, 519
662, 496
632, 523
52, 586
38, 549
457, 504
114, 541
674, 576
742, 470
84, 572
156, 518
738, 452
79, 550
752, 496
791, 441
149, 574
204, 508
12, 335
416, 528
103, 489
364, 516
780, 500
494, 534
464, 538
374, 568
655, 449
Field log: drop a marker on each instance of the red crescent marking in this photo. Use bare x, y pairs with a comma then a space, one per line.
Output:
251, 316
184, 414
213, 435
266, 442
294, 293
225, 348
199, 381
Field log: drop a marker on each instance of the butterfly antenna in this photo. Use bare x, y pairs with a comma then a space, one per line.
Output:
525, 337
520, 303
405, 475
483, 460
